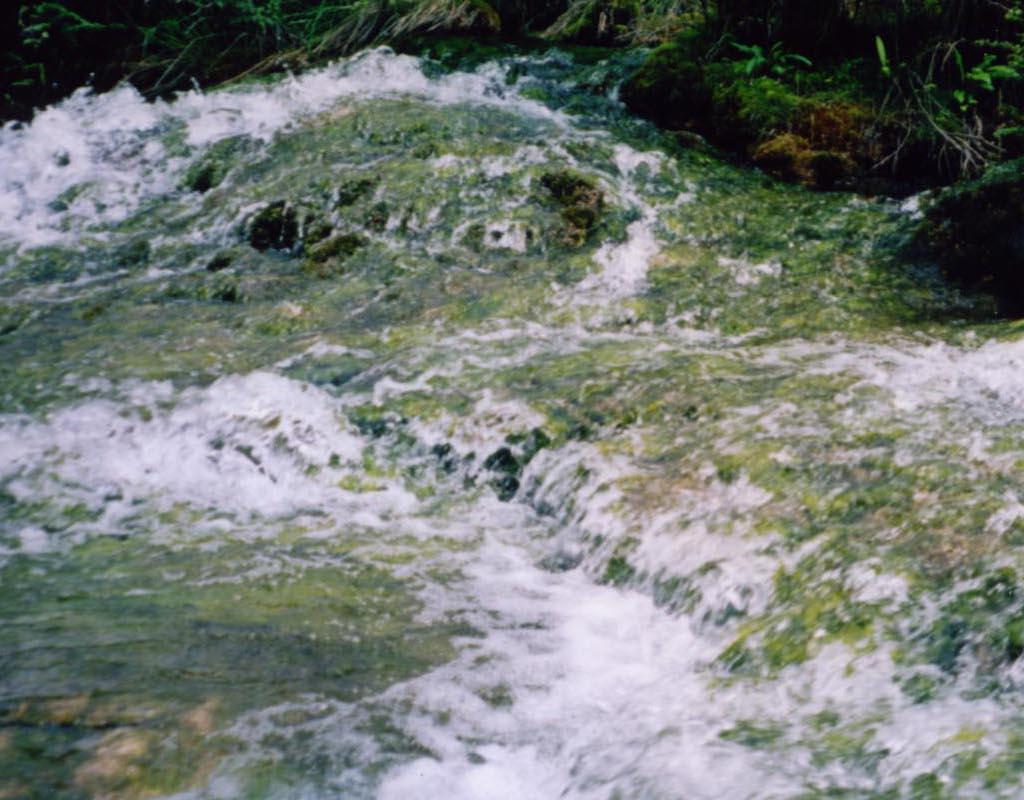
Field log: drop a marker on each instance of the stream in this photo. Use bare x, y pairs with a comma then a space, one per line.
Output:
389, 431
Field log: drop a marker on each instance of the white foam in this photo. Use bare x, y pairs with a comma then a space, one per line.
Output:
605, 697
916, 376
33, 540
869, 582
111, 144
1000, 522
103, 144
241, 445
629, 160
747, 274
624, 266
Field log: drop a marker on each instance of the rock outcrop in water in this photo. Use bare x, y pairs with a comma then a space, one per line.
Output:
208, 172
507, 463
580, 201
332, 251
274, 227
669, 88
975, 231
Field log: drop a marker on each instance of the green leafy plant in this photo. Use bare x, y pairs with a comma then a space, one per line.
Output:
774, 61
980, 77
883, 57
988, 71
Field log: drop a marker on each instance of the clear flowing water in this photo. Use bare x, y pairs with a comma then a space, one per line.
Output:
393, 432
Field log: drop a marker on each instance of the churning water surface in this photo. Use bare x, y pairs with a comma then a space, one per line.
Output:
526, 455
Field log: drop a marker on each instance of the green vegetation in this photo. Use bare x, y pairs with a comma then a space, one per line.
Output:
887, 95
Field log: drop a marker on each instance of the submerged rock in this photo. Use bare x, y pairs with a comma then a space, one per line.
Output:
11, 319
581, 203
202, 719
332, 252
116, 762
377, 217
506, 483
225, 292
618, 572
133, 254
502, 460
337, 247
349, 191
219, 262
65, 710
505, 487
274, 227
531, 443
202, 177
446, 456
209, 171
315, 230
975, 231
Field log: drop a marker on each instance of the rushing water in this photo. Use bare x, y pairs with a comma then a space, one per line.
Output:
715, 499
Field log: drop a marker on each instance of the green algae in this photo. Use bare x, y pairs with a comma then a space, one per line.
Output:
750, 734
580, 202
212, 168
138, 629
397, 268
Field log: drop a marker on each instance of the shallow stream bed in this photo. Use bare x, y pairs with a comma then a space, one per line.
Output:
394, 432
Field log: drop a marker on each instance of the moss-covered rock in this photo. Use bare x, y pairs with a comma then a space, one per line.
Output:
377, 217
132, 254
530, 443
12, 318
792, 157
669, 88
210, 170
975, 231
782, 155
315, 230
352, 189
337, 248
202, 176
506, 469
826, 168
220, 261
581, 202
274, 227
